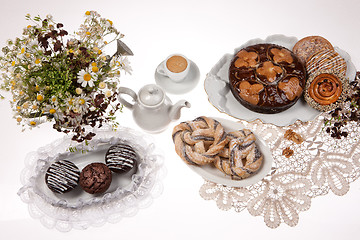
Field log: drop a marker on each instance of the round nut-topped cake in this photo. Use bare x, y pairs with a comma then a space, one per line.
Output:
267, 78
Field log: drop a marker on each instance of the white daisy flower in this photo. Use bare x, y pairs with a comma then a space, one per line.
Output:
82, 103
125, 64
78, 91
102, 85
108, 23
85, 79
34, 122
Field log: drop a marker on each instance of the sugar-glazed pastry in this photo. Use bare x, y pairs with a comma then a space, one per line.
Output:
326, 90
326, 60
199, 141
308, 46
62, 176
266, 78
242, 157
121, 158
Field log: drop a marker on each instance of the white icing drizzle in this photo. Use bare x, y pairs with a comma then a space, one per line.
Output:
121, 157
62, 176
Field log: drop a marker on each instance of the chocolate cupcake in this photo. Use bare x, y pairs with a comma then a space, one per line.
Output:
267, 78
95, 178
62, 176
121, 158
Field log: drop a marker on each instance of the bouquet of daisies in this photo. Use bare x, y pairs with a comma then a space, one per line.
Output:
65, 78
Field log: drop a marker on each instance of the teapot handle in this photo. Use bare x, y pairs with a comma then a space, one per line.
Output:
131, 93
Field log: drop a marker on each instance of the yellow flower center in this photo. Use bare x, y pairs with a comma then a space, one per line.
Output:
13, 63
13, 82
102, 85
87, 13
37, 61
18, 119
28, 55
29, 26
22, 50
88, 33
94, 64
78, 90
82, 101
99, 52
71, 101
111, 23
37, 87
25, 105
95, 69
32, 123
34, 107
71, 51
108, 93
21, 93
52, 111
53, 99
87, 77
39, 97
18, 107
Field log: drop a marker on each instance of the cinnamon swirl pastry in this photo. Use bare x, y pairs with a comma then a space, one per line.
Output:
326, 90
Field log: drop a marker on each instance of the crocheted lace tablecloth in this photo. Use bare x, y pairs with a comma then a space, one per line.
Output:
319, 165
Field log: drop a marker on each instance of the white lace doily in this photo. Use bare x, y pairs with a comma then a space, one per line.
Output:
319, 165
61, 213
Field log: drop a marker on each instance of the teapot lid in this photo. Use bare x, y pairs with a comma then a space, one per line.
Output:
151, 95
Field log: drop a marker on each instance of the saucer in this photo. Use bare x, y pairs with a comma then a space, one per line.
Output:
186, 85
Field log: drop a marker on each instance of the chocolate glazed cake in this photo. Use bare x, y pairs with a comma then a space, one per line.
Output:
267, 78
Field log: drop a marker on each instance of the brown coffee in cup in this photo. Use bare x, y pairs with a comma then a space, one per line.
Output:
176, 64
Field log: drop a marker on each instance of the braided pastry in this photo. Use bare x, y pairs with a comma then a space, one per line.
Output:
242, 157
199, 141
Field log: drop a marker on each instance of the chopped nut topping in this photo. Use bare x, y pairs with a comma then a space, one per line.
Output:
287, 152
250, 93
293, 136
291, 88
246, 59
269, 70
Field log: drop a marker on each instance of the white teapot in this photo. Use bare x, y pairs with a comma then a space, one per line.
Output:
152, 109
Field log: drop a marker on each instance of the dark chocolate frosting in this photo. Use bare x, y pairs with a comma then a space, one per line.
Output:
121, 158
62, 176
266, 78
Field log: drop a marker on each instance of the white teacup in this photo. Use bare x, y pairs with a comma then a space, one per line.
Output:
176, 67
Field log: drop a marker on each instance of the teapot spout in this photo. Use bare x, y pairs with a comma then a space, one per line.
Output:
174, 112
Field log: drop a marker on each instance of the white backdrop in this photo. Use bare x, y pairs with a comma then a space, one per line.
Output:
203, 31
